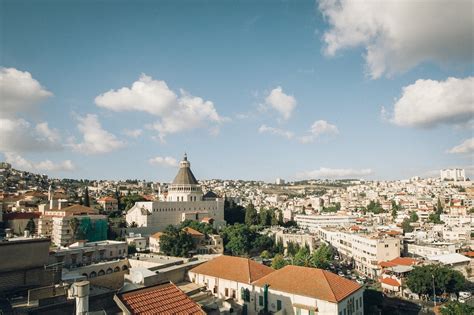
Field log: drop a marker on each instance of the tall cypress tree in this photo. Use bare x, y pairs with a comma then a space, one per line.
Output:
86, 197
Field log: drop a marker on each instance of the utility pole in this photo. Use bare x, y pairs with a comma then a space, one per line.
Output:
434, 292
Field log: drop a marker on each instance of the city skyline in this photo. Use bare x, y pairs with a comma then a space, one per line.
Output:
248, 90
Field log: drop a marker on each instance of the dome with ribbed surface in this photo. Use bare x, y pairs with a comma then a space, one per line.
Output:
185, 176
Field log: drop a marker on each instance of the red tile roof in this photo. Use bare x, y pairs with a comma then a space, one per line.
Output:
399, 261
311, 282
237, 269
390, 281
107, 199
469, 254
192, 231
159, 299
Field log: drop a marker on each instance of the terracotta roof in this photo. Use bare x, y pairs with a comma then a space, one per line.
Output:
159, 299
238, 269
157, 235
311, 282
192, 231
390, 281
469, 254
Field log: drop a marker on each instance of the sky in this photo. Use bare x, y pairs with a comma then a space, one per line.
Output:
248, 89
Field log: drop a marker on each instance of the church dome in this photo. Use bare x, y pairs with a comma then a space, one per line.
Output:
185, 176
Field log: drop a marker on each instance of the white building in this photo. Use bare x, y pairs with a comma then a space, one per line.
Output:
366, 251
456, 174
290, 290
184, 201
313, 222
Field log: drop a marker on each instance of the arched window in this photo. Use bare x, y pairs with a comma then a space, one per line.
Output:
125, 267
117, 269
109, 270
93, 274
85, 275
101, 272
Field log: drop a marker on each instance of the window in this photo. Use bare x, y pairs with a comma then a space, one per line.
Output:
278, 305
226, 292
260, 300
344, 311
298, 311
311, 312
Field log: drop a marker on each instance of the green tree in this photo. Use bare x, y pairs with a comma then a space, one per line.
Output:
420, 280
394, 209
322, 257
233, 213
176, 242
291, 249
238, 239
265, 254
406, 226
414, 217
265, 217
86, 198
251, 215
278, 262
302, 257
280, 217
202, 227
275, 220
31, 226
456, 308
279, 248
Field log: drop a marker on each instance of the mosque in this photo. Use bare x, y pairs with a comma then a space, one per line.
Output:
184, 201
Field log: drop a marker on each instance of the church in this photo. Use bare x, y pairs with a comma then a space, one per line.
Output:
183, 201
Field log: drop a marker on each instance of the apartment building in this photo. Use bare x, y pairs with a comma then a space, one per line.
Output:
91, 227
109, 204
366, 251
313, 222
302, 239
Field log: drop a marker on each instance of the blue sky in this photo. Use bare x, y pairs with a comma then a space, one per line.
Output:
270, 69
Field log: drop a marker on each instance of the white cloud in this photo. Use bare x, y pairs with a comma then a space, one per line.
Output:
284, 104
428, 103
333, 173
96, 140
399, 35
47, 165
52, 135
319, 128
163, 161
133, 133
17, 135
465, 147
19, 92
176, 112
276, 131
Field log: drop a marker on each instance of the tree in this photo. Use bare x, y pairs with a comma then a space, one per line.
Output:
375, 207
434, 218
406, 226
414, 217
302, 257
291, 249
278, 247
439, 206
322, 257
275, 220
238, 238
31, 226
456, 308
265, 254
420, 280
280, 217
265, 217
202, 227
86, 201
251, 215
278, 262
233, 213
394, 209
176, 242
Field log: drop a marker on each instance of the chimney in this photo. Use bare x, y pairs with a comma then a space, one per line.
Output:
80, 291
